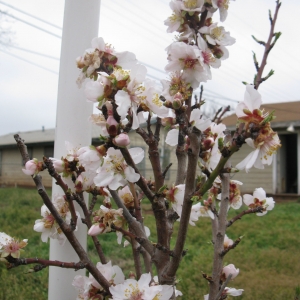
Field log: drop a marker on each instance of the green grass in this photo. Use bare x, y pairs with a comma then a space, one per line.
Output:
268, 255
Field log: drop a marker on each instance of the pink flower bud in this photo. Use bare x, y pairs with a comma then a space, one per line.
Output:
96, 229
178, 96
208, 143
122, 140
58, 165
78, 184
112, 125
31, 167
230, 269
111, 121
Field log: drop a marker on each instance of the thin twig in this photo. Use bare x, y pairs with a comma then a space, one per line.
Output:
137, 204
258, 209
236, 242
15, 262
136, 226
225, 110
223, 287
166, 169
268, 46
141, 182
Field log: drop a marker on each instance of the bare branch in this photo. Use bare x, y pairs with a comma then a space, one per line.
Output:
236, 242
135, 225
259, 209
223, 287
268, 46
15, 262
193, 154
141, 183
219, 237
166, 169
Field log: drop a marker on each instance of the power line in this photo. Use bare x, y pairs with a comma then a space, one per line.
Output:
30, 62
32, 16
30, 24
152, 67
30, 51
138, 25
224, 98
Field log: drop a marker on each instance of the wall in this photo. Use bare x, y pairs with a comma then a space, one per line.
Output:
11, 168
255, 178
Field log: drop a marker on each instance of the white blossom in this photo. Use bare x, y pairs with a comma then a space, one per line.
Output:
259, 198
114, 172
140, 290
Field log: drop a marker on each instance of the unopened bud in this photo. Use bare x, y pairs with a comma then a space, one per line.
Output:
247, 111
178, 96
218, 53
80, 63
208, 22
122, 140
177, 104
107, 204
112, 129
168, 104
131, 275
208, 143
101, 150
78, 184
96, 229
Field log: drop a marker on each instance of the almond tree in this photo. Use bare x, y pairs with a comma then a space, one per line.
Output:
125, 98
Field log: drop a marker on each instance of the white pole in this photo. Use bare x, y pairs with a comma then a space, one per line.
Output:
81, 23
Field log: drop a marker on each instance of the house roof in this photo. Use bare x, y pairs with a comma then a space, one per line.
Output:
43, 137
286, 113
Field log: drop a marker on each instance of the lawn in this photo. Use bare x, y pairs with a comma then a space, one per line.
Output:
268, 255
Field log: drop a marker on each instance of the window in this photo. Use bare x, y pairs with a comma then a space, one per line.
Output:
49, 151
165, 160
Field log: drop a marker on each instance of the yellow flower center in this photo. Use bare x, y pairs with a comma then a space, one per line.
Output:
157, 101
133, 293
216, 33
190, 4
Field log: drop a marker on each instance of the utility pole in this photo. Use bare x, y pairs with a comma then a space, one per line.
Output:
80, 26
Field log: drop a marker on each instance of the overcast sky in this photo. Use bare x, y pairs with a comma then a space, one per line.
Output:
28, 82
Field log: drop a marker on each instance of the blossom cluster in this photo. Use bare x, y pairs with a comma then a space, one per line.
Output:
201, 43
48, 225
121, 289
263, 139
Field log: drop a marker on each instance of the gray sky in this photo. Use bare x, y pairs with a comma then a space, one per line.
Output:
28, 93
